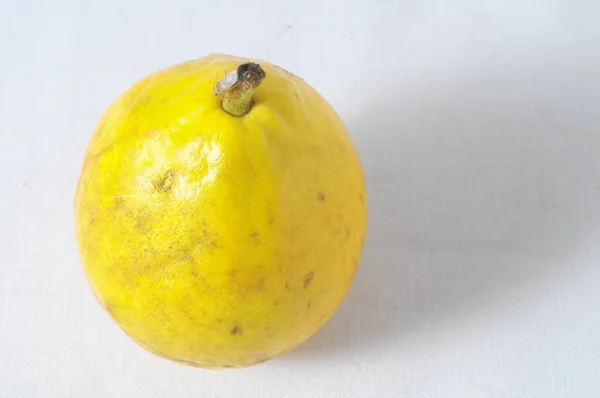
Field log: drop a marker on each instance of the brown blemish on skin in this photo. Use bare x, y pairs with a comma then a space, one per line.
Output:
227, 366
146, 267
296, 95
186, 362
121, 204
346, 233
298, 256
355, 262
276, 303
123, 277
204, 364
287, 287
141, 216
142, 222
92, 157
108, 308
236, 331
309, 304
270, 221
220, 320
209, 239
362, 198
187, 255
201, 280
255, 234
163, 183
260, 286
307, 279
261, 360
322, 196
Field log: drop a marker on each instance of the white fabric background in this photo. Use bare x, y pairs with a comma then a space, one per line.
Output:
478, 123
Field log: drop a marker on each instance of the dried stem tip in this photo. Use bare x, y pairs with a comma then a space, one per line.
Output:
238, 87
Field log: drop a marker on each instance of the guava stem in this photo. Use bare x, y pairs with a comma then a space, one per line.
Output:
238, 87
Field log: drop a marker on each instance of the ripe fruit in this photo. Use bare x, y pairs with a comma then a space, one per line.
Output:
220, 230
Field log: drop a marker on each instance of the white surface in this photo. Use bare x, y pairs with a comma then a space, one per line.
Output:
479, 128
